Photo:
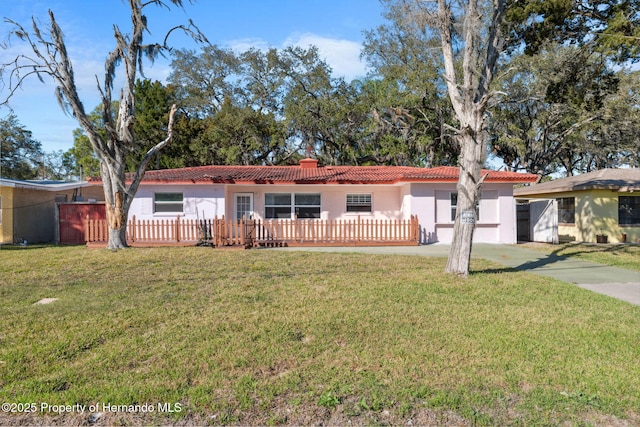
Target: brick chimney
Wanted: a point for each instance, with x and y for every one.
(308, 163)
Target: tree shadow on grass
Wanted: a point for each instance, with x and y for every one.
(493, 271)
(571, 251)
(542, 261)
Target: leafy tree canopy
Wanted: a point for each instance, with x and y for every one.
(611, 26)
(20, 154)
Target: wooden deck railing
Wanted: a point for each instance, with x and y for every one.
(222, 232)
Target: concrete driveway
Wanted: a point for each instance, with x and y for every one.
(612, 281)
(615, 282)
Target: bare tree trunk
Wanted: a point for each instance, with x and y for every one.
(116, 212)
(470, 95)
(118, 196)
(469, 185)
(117, 238)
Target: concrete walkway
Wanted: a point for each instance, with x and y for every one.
(612, 281)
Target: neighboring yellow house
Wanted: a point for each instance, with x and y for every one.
(604, 202)
(28, 208)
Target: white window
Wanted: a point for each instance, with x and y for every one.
(454, 206)
(244, 205)
(277, 205)
(168, 203)
(307, 206)
(359, 203)
(290, 206)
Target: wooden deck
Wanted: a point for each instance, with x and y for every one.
(222, 233)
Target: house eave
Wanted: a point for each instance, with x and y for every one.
(31, 185)
(541, 191)
(324, 175)
(230, 181)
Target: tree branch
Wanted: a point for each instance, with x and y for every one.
(133, 187)
(444, 24)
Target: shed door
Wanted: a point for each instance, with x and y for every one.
(72, 219)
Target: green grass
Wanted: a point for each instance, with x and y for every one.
(267, 337)
(617, 255)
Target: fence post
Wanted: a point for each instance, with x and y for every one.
(220, 229)
(223, 232)
(413, 229)
(216, 231)
(132, 229)
(177, 228)
(242, 231)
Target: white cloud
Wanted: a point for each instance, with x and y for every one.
(342, 55)
(243, 45)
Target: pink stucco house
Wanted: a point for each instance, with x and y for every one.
(311, 192)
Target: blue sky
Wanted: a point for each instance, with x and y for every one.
(335, 26)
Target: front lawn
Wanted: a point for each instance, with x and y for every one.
(263, 337)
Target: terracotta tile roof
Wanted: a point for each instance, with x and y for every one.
(623, 180)
(319, 175)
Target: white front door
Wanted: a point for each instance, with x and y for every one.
(244, 205)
